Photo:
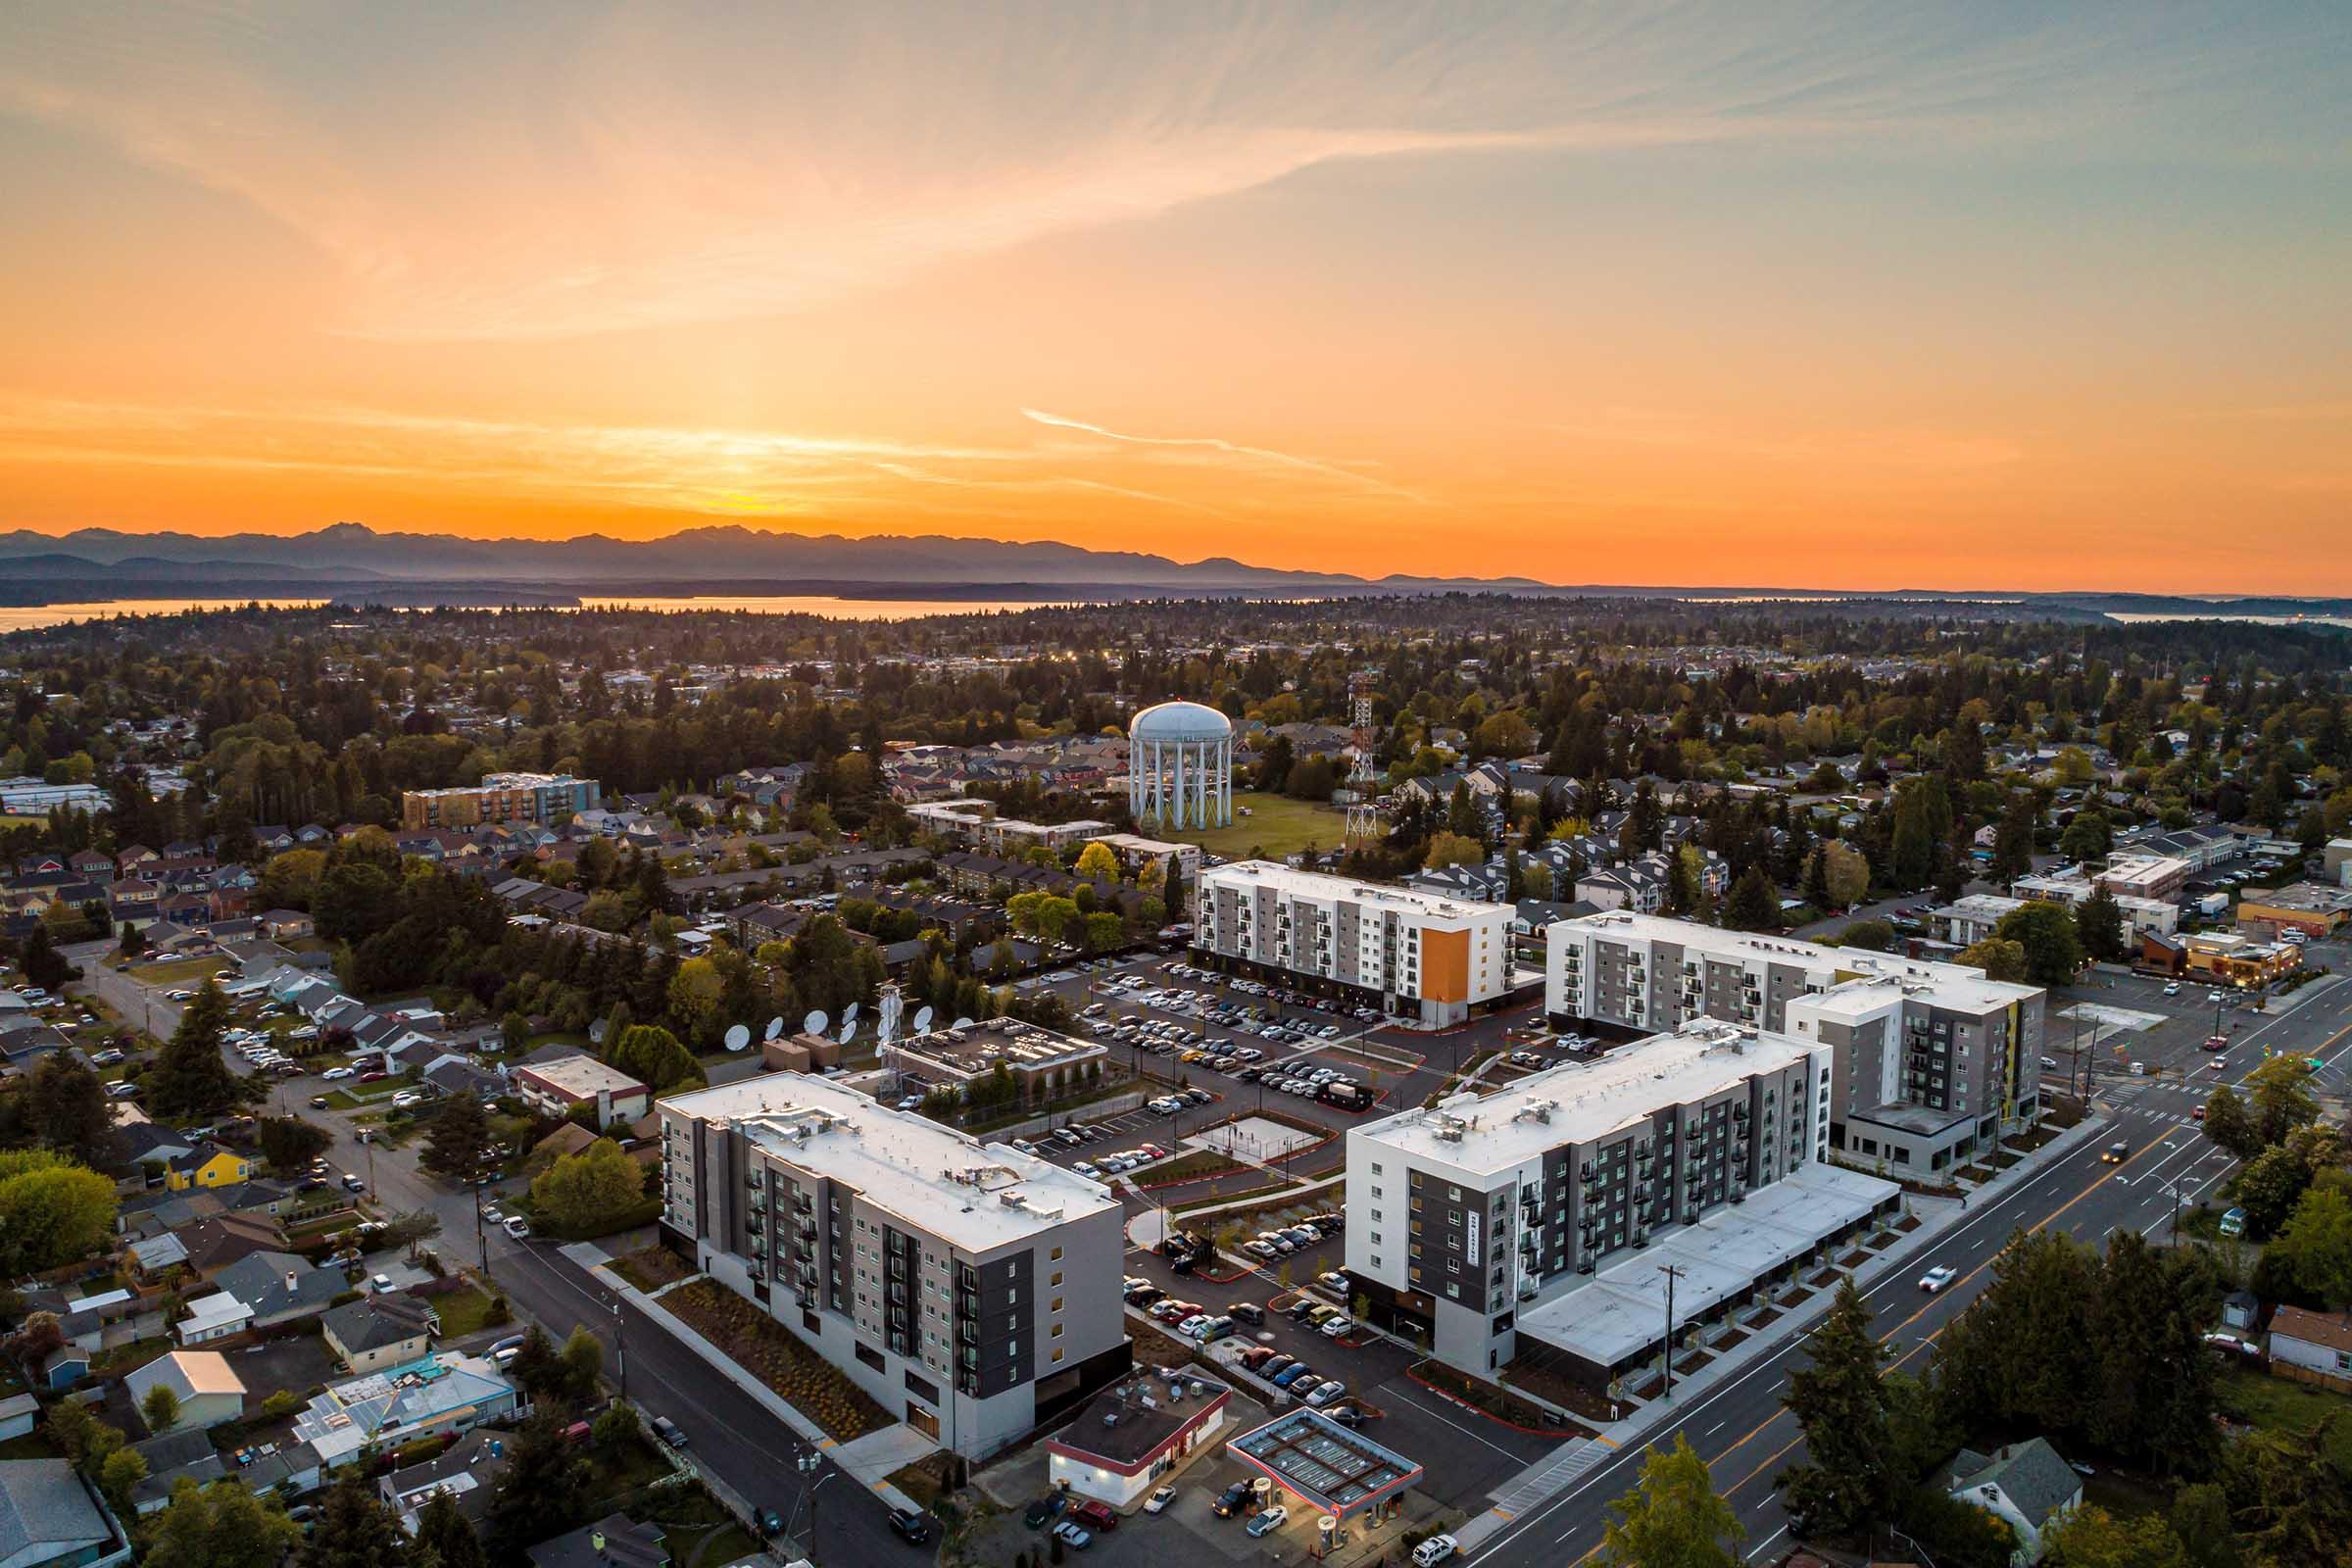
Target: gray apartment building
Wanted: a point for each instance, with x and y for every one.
(972, 1290)
(1466, 1216)
(1933, 1063)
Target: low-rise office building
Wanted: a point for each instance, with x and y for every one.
(2238, 958)
(2312, 908)
(1933, 1061)
(972, 1290)
(559, 1086)
(1465, 1217)
(1042, 1063)
(1417, 953)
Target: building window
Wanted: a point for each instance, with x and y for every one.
(1057, 1334)
(1055, 1256)
(1056, 1306)
(1056, 1279)
(1057, 1356)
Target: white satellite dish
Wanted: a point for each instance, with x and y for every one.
(849, 1027)
(850, 1017)
(738, 1036)
(815, 1023)
(961, 1024)
(922, 1021)
(775, 1027)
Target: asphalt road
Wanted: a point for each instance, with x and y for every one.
(1738, 1426)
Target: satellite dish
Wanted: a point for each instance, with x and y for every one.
(738, 1036)
(849, 1019)
(815, 1023)
(961, 1024)
(595, 1033)
(922, 1021)
(775, 1027)
(849, 1027)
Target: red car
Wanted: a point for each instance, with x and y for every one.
(1094, 1513)
(371, 1078)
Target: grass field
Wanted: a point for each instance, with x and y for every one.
(177, 972)
(2280, 1404)
(1276, 826)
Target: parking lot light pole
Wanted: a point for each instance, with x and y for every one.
(1673, 1272)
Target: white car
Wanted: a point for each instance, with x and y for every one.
(2172, 988)
(1159, 1500)
(1087, 1169)
(407, 1098)
(1937, 1278)
(1273, 1519)
(494, 1214)
(1334, 1328)
(518, 1227)
(1434, 1550)
(334, 1075)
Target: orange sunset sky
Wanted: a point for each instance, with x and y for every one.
(1807, 294)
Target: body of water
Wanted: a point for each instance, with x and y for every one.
(2135, 616)
(825, 605)
(32, 618)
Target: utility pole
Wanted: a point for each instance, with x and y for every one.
(1673, 1272)
(620, 1348)
(481, 1242)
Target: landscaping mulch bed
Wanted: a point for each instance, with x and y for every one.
(2002, 1161)
(1693, 1361)
(927, 1480)
(1736, 1337)
(1494, 1400)
(1825, 1279)
(648, 1268)
(1908, 1223)
(1771, 1314)
(1650, 1390)
(1855, 1258)
(777, 1358)
(1561, 1391)
(1791, 1298)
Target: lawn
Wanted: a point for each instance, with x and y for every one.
(775, 1354)
(1276, 826)
(2284, 1405)
(651, 1267)
(178, 971)
(463, 1313)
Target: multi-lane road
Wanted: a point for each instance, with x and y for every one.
(1738, 1426)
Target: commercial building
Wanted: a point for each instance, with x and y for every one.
(1042, 1063)
(2150, 878)
(2336, 858)
(2070, 887)
(1933, 1061)
(1135, 851)
(31, 796)
(976, 822)
(974, 1291)
(446, 1393)
(499, 798)
(2311, 907)
(1134, 1433)
(556, 1087)
(1467, 1217)
(2237, 958)
(1413, 952)
(1968, 920)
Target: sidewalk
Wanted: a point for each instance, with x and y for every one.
(869, 1460)
(1547, 1477)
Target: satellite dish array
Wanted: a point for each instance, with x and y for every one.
(738, 1036)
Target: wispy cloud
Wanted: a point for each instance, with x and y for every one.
(1256, 457)
(512, 172)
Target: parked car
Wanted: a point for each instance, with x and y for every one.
(670, 1432)
(1043, 1509)
(910, 1527)
(1434, 1550)
(1076, 1539)
(1232, 1500)
(1266, 1523)
(518, 1227)
(1159, 1502)
(1095, 1514)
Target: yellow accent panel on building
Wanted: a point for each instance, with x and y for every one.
(1445, 965)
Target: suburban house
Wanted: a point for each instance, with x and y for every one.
(376, 1332)
(449, 1391)
(2313, 1348)
(218, 1316)
(279, 1287)
(209, 1391)
(2028, 1483)
(50, 1517)
(614, 1541)
(469, 1472)
(206, 1165)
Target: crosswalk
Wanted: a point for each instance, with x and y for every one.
(1548, 1476)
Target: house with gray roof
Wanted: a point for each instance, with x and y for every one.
(52, 1518)
(2029, 1484)
(280, 1287)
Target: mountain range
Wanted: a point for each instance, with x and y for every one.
(110, 564)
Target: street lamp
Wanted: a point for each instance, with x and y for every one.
(809, 1463)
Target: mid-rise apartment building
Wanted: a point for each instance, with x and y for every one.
(2135, 880)
(499, 798)
(1933, 1060)
(1465, 1215)
(973, 1290)
(1413, 952)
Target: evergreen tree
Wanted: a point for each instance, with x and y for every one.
(2012, 842)
(355, 1530)
(2099, 925)
(2230, 1124)
(540, 1493)
(457, 1144)
(1848, 1478)
(43, 965)
(2046, 931)
(220, 1526)
(1754, 904)
(190, 1078)
(445, 1537)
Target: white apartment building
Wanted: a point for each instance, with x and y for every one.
(973, 1290)
(1935, 1061)
(1414, 953)
(1469, 1219)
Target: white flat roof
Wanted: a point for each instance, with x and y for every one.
(1621, 1311)
(1957, 985)
(938, 1180)
(1577, 1102)
(1355, 890)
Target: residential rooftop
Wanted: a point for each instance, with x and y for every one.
(940, 1181)
(1319, 885)
(1578, 1102)
(1953, 985)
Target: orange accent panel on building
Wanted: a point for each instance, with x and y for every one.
(1445, 965)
